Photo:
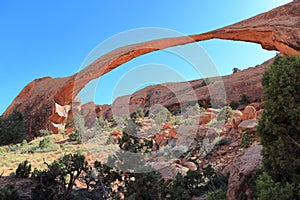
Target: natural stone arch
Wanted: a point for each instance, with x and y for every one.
(46, 102)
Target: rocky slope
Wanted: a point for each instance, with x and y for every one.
(47, 102)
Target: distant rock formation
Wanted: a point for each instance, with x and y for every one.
(46, 102)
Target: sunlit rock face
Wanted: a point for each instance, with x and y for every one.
(47, 102)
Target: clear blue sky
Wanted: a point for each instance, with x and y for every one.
(52, 38)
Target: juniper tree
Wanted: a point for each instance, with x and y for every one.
(279, 128)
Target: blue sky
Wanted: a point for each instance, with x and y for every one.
(53, 38)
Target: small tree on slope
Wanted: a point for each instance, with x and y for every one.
(279, 128)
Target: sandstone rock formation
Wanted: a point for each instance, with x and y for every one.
(46, 102)
(243, 165)
(248, 125)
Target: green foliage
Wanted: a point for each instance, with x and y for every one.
(12, 129)
(99, 180)
(9, 193)
(279, 128)
(45, 132)
(140, 113)
(146, 186)
(45, 143)
(75, 136)
(24, 143)
(219, 194)
(153, 129)
(234, 105)
(221, 140)
(268, 189)
(187, 121)
(207, 81)
(129, 141)
(246, 140)
(78, 123)
(58, 180)
(235, 70)
(161, 115)
(121, 120)
(244, 99)
(196, 183)
(23, 170)
(103, 123)
(192, 110)
(226, 114)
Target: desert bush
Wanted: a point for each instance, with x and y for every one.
(221, 140)
(57, 181)
(75, 136)
(244, 99)
(23, 170)
(121, 120)
(225, 114)
(235, 70)
(192, 110)
(219, 194)
(140, 113)
(197, 183)
(103, 123)
(234, 105)
(246, 140)
(161, 115)
(268, 189)
(187, 121)
(9, 192)
(153, 129)
(44, 132)
(12, 129)
(279, 127)
(46, 145)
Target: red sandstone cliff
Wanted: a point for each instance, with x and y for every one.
(46, 102)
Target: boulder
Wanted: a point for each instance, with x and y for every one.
(237, 119)
(259, 114)
(205, 117)
(248, 125)
(244, 164)
(249, 113)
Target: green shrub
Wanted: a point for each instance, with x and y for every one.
(161, 115)
(140, 113)
(57, 181)
(192, 110)
(75, 136)
(225, 114)
(121, 120)
(244, 99)
(246, 140)
(9, 193)
(234, 105)
(103, 123)
(12, 129)
(47, 145)
(24, 143)
(279, 127)
(45, 132)
(23, 170)
(187, 121)
(268, 189)
(153, 129)
(78, 123)
(221, 140)
(219, 194)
